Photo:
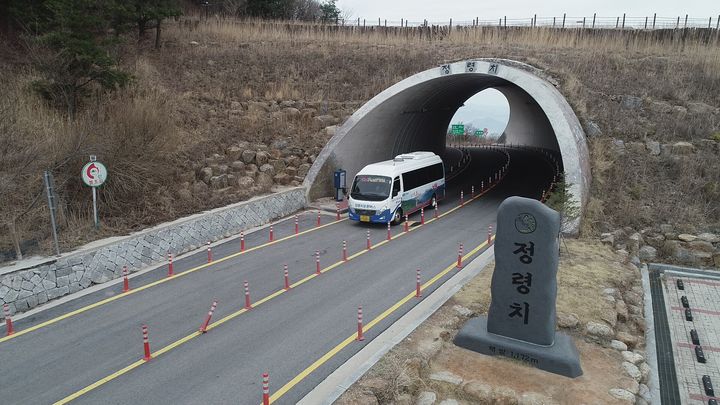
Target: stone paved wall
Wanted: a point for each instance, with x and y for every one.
(26, 288)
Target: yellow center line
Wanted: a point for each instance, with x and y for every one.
(233, 315)
(335, 350)
(158, 282)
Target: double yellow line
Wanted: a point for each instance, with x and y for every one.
(227, 318)
(158, 282)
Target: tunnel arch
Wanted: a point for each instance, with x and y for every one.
(414, 113)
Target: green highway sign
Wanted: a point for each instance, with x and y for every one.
(458, 129)
(479, 132)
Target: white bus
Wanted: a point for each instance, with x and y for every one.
(386, 191)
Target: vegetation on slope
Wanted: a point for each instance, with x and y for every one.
(220, 82)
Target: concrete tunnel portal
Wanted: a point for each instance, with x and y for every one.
(414, 114)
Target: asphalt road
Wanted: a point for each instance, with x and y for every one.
(282, 336)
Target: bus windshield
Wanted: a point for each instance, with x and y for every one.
(371, 188)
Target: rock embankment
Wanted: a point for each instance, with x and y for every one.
(665, 243)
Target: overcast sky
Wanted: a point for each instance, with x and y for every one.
(465, 10)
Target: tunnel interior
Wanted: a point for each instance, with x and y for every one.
(414, 114)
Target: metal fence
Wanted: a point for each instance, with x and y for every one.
(564, 21)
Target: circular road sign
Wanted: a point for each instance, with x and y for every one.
(94, 174)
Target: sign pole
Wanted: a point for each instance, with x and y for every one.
(95, 212)
(94, 175)
(51, 205)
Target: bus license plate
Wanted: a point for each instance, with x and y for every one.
(365, 218)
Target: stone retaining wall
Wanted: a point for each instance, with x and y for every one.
(23, 289)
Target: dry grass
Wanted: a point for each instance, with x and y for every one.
(129, 130)
(183, 109)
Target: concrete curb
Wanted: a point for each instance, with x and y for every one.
(347, 374)
(650, 348)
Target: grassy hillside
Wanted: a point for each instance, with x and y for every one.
(174, 140)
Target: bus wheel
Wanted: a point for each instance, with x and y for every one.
(397, 218)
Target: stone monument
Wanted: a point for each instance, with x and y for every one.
(521, 319)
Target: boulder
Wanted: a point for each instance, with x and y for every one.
(599, 330)
(632, 357)
(245, 182)
(634, 242)
(262, 158)
(478, 391)
(248, 156)
(647, 253)
(633, 298)
(322, 121)
(251, 170)
(291, 112)
(630, 102)
(700, 108)
(282, 178)
(447, 377)
(567, 321)
(631, 386)
(632, 370)
(607, 239)
(618, 345)
(218, 182)
(701, 246)
(426, 398)
(462, 311)
(644, 372)
(330, 131)
(683, 148)
(622, 395)
(655, 241)
(267, 168)
(279, 165)
(653, 147)
(709, 237)
(234, 152)
(264, 181)
(619, 146)
(687, 237)
(667, 228)
(592, 129)
(279, 144)
(205, 174)
(303, 170)
(237, 166)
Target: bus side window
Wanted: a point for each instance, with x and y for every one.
(396, 187)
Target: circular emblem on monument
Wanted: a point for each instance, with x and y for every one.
(525, 223)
